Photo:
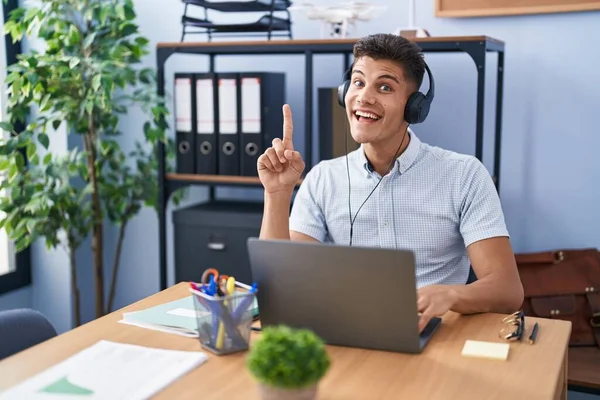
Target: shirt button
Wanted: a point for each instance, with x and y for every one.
(385, 224)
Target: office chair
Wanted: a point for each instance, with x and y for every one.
(21, 329)
(472, 277)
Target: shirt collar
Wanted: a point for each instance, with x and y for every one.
(403, 162)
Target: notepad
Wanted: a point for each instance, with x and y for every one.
(489, 350)
(179, 317)
(109, 370)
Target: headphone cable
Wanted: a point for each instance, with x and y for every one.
(372, 191)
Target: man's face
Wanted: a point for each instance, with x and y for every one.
(375, 100)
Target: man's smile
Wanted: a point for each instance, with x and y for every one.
(366, 116)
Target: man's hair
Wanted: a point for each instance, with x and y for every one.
(387, 46)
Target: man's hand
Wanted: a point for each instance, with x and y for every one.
(434, 301)
(280, 166)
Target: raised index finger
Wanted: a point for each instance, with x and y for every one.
(288, 127)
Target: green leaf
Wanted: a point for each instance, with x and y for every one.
(16, 86)
(128, 28)
(31, 225)
(44, 102)
(74, 36)
(120, 9)
(44, 140)
(7, 126)
(47, 158)
(74, 62)
(56, 123)
(104, 14)
(96, 82)
(9, 147)
(142, 41)
(89, 40)
(35, 159)
(19, 160)
(31, 150)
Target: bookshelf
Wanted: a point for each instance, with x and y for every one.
(477, 47)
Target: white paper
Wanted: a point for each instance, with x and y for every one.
(183, 104)
(167, 329)
(251, 105)
(109, 370)
(227, 106)
(186, 312)
(205, 108)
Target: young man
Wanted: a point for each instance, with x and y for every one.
(396, 191)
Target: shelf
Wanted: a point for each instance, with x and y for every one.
(300, 46)
(264, 24)
(268, 24)
(241, 6)
(217, 179)
(476, 47)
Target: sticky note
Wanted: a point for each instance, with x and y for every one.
(489, 350)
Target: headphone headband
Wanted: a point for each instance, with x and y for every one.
(431, 91)
(417, 105)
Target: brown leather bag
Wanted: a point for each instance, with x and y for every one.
(564, 284)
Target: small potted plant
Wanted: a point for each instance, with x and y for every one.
(288, 363)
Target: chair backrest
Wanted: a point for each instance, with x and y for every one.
(22, 328)
(472, 277)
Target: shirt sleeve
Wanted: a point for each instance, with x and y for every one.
(307, 212)
(481, 215)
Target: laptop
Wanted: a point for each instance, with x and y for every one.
(349, 296)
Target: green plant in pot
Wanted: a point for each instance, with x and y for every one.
(288, 363)
(88, 75)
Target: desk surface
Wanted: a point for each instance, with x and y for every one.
(531, 371)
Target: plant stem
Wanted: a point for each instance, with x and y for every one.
(116, 261)
(74, 289)
(97, 242)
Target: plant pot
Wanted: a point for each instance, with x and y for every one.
(274, 393)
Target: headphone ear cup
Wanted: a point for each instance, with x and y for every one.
(416, 108)
(342, 90)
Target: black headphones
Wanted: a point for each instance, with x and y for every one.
(417, 106)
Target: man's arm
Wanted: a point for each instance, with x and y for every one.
(276, 216)
(498, 287)
(276, 219)
(306, 221)
(279, 169)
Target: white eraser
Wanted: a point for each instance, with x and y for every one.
(490, 350)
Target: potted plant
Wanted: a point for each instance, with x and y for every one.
(89, 74)
(288, 363)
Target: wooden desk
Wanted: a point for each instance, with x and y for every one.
(532, 371)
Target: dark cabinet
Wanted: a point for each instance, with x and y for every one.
(214, 235)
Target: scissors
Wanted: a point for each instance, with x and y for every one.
(221, 281)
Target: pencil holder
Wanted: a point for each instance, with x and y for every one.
(224, 322)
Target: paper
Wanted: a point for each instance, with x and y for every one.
(186, 312)
(178, 317)
(160, 328)
(109, 370)
(489, 350)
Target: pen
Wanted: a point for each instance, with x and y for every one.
(533, 333)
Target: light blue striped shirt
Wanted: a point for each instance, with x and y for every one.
(434, 202)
